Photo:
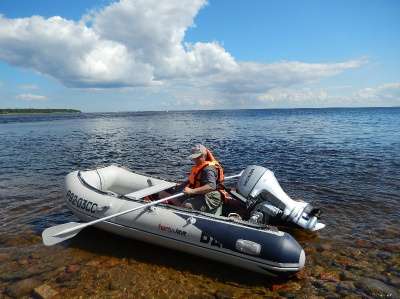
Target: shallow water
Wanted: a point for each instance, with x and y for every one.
(345, 161)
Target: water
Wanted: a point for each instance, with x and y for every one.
(345, 161)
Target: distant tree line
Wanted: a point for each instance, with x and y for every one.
(31, 110)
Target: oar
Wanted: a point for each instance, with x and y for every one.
(62, 232)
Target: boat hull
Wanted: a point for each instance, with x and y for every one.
(266, 251)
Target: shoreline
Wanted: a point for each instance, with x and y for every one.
(244, 109)
(29, 111)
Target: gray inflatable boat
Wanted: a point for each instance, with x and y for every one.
(253, 245)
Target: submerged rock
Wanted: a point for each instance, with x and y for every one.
(346, 288)
(72, 268)
(115, 285)
(329, 287)
(318, 270)
(363, 244)
(395, 281)
(392, 248)
(301, 275)
(384, 255)
(93, 263)
(329, 276)
(352, 296)
(15, 275)
(4, 257)
(343, 261)
(201, 296)
(291, 286)
(112, 261)
(377, 288)
(347, 275)
(223, 294)
(22, 287)
(324, 247)
(44, 292)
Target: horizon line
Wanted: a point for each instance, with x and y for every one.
(217, 109)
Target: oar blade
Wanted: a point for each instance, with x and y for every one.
(52, 236)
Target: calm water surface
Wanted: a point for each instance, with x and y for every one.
(346, 161)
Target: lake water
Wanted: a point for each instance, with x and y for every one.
(345, 161)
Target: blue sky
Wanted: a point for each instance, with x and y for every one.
(143, 55)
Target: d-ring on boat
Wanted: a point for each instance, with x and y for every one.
(94, 194)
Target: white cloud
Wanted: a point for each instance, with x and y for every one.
(130, 43)
(139, 43)
(294, 95)
(383, 95)
(31, 97)
(154, 31)
(254, 84)
(384, 92)
(28, 86)
(70, 52)
(259, 78)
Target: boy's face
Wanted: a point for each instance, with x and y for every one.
(200, 160)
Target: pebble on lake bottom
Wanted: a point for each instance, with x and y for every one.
(44, 292)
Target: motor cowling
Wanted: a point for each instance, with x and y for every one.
(266, 198)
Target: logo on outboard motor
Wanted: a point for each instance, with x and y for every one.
(248, 176)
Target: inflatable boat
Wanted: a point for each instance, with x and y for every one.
(253, 245)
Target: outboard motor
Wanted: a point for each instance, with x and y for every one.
(265, 198)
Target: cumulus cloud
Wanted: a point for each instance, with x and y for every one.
(68, 51)
(139, 43)
(154, 31)
(31, 97)
(129, 43)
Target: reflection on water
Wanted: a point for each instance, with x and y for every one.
(345, 161)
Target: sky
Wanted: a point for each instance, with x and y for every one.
(135, 55)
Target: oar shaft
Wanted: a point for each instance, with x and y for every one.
(233, 176)
(83, 225)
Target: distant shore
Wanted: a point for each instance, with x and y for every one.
(33, 111)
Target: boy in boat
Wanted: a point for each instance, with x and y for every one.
(204, 189)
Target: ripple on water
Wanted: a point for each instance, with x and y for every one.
(344, 161)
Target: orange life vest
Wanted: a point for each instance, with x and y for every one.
(194, 177)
